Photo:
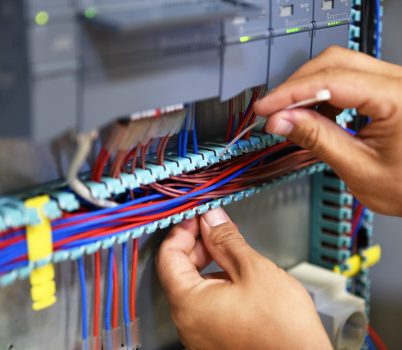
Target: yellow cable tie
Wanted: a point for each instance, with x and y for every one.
(40, 246)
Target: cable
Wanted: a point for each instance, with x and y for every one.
(97, 260)
(133, 281)
(115, 323)
(380, 345)
(377, 29)
(84, 321)
(126, 307)
(109, 291)
(84, 147)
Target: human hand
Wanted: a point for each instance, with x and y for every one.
(253, 304)
(371, 163)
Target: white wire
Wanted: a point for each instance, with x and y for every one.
(320, 96)
(84, 147)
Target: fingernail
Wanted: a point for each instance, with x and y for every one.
(216, 217)
(282, 126)
(186, 224)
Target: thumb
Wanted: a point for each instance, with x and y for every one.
(226, 245)
(324, 138)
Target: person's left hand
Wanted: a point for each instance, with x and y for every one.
(253, 304)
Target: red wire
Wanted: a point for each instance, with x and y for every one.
(97, 293)
(133, 284)
(248, 116)
(380, 345)
(115, 321)
(359, 212)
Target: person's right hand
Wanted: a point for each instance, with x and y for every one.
(371, 163)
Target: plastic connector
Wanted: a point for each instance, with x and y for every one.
(111, 340)
(132, 335)
(342, 314)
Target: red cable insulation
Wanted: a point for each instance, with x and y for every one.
(133, 284)
(115, 320)
(97, 259)
(380, 345)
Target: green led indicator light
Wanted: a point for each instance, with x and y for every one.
(42, 18)
(293, 30)
(244, 39)
(336, 23)
(90, 12)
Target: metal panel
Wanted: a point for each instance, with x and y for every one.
(326, 11)
(326, 37)
(159, 82)
(287, 54)
(287, 14)
(244, 66)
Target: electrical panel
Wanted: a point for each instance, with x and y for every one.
(160, 95)
(101, 59)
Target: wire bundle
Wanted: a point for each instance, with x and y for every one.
(155, 202)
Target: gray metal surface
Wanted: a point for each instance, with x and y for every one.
(287, 54)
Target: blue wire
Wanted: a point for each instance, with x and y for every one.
(370, 343)
(108, 210)
(84, 324)
(378, 29)
(180, 143)
(126, 310)
(66, 232)
(157, 206)
(185, 136)
(195, 141)
(109, 291)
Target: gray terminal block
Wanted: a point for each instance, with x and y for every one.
(125, 73)
(331, 24)
(245, 51)
(326, 37)
(245, 65)
(291, 35)
(329, 13)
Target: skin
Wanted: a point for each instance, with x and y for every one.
(254, 304)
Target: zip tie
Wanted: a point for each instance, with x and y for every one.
(40, 247)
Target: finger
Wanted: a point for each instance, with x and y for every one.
(349, 89)
(325, 139)
(226, 245)
(338, 57)
(200, 256)
(221, 275)
(176, 271)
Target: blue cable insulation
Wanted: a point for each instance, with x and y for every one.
(126, 307)
(180, 143)
(370, 343)
(84, 320)
(185, 136)
(195, 141)
(378, 29)
(157, 206)
(109, 292)
(71, 231)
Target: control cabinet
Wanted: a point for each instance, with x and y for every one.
(78, 65)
